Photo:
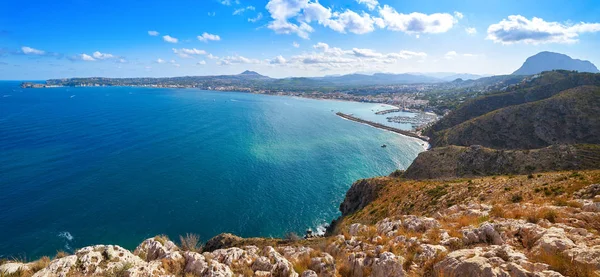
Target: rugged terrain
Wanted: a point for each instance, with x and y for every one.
(529, 225)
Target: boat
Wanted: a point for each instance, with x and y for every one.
(383, 146)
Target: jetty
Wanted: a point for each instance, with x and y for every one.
(384, 127)
(388, 111)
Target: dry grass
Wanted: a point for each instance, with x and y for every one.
(162, 239)
(566, 265)
(175, 267)
(400, 196)
(191, 242)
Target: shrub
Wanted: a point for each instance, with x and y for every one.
(291, 236)
(191, 242)
(60, 254)
(516, 198)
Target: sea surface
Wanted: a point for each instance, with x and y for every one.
(116, 165)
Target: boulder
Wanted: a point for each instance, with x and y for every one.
(387, 265)
(153, 249)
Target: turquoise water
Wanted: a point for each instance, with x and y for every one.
(83, 166)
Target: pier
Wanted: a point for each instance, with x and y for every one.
(384, 127)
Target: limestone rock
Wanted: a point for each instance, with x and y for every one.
(152, 249)
(224, 240)
(60, 267)
(387, 265)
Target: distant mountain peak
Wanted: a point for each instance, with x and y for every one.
(249, 72)
(546, 61)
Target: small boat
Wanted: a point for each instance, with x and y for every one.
(384, 146)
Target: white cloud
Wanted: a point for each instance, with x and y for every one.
(333, 51)
(159, 60)
(407, 55)
(86, 57)
(212, 57)
(206, 37)
(122, 61)
(471, 30)
(32, 51)
(201, 62)
(416, 23)
(285, 27)
(519, 29)
(258, 17)
(294, 17)
(212, 14)
(242, 10)
(295, 44)
(185, 52)
(170, 39)
(278, 60)
(366, 53)
(281, 11)
(153, 33)
(351, 21)
(228, 2)
(371, 4)
(451, 55)
(102, 56)
(238, 60)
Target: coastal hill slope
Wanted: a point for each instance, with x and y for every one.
(546, 61)
(572, 116)
(460, 161)
(529, 90)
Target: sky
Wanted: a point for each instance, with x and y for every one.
(282, 38)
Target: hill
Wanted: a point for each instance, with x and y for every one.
(528, 90)
(460, 161)
(546, 61)
(572, 116)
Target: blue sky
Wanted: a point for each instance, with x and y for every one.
(279, 38)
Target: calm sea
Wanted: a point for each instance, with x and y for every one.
(84, 166)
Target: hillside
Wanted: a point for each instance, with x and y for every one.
(572, 116)
(546, 61)
(459, 161)
(529, 90)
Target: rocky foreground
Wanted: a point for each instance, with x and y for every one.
(542, 225)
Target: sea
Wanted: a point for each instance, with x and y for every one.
(115, 165)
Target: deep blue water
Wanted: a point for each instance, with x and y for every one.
(83, 166)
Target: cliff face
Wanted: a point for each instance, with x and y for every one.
(459, 161)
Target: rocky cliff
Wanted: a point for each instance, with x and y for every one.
(542, 225)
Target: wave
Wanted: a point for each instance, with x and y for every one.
(68, 238)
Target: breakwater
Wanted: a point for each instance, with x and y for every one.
(384, 127)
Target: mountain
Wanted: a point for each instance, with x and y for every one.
(451, 76)
(546, 61)
(377, 79)
(569, 117)
(524, 91)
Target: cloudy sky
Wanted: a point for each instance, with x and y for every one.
(280, 38)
